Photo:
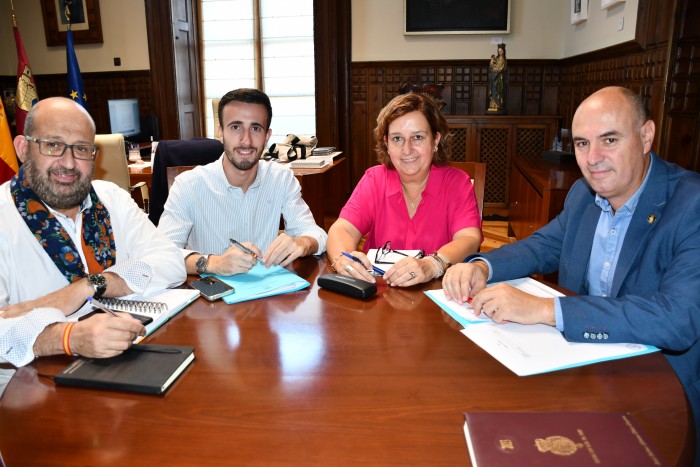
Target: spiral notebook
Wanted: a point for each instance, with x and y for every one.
(160, 306)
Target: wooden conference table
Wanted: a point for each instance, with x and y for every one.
(316, 378)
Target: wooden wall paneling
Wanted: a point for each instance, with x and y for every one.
(460, 91)
(465, 92)
(360, 144)
(681, 145)
(680, 140)
(494, 141)
(459, 143)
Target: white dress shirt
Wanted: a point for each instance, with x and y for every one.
(146, 260)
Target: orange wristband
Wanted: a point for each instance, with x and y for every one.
(66, 339)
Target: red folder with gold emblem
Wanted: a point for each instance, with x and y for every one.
(557, 438)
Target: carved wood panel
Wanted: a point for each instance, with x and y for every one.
(533, 90)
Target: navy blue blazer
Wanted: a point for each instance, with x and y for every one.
(655, 297)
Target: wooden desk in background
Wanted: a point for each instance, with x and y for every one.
(315, 188)
(538, 188)
(314, 185)
(141, 174)
(317, 378)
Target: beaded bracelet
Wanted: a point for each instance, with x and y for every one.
(440, 267)
(334, 261)
(66, 339)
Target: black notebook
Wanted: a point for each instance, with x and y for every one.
(147, 368)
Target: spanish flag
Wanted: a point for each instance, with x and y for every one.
(8, 159)
(26, 95)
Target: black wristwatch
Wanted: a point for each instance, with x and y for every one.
(99, 283)
(201, 264)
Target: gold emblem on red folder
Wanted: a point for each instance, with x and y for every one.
(559, 445)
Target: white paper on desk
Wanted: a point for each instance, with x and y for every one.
(528, 349)
(464, 314)
(390, 258)
(531, 349)
(538, 348)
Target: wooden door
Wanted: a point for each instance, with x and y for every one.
(173, 46)
(186, 57)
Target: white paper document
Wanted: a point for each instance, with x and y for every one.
(532, 349)
(389, 258)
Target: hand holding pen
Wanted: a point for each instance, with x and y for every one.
(106, 309)
(358, 269)
(245, 249)
(102, 307)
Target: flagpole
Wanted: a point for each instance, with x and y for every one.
(66, 11)
(14, 18)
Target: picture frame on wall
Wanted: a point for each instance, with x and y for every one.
(605, 4)
(579, 11)
(86, 23)
(462, 17)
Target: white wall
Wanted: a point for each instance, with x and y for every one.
(600, 30)
(123, 32)
(540, 29)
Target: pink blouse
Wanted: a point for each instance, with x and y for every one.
(377, 209)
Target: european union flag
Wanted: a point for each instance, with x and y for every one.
(76, 91)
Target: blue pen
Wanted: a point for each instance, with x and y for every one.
(357, 260)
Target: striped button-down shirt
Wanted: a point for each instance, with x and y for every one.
(204, 211)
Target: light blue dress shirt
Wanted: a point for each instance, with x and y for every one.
(607, 243)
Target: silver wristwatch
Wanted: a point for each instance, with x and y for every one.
(201, 264)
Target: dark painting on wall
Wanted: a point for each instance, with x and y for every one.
(456, 17)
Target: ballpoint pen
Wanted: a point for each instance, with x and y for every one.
(102, 307)
(247, 250)
(357, 260)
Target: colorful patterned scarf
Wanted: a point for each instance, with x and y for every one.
(98, 237)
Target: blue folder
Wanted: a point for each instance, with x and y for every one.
(262, 282)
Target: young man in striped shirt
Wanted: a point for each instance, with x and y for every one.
(240, 199)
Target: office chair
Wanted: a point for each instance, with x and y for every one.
(172, 153)
(111, 165)
(477, 172)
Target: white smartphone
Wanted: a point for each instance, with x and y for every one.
(212, 288)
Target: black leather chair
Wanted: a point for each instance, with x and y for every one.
(174, 152)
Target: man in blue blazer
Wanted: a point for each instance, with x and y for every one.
(627, 241)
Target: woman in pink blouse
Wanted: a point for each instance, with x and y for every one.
(412, 199)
